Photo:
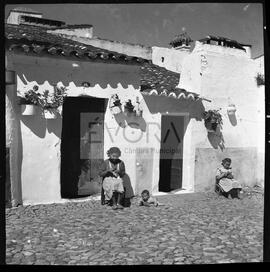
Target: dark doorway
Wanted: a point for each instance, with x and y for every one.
(82, 143)
(171, 153)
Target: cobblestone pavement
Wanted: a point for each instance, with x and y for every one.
(189, 229)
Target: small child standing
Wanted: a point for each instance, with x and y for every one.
(147, 200)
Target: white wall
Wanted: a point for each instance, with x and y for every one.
(227, 76)
(41, 160)
(41, 143)
(34, 140)
(14, 143)
(260, 64)
(173, 58)
(86, 32)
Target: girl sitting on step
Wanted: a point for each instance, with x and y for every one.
(226, 181)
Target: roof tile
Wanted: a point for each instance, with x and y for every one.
(29, 37)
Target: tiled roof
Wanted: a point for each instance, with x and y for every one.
(175, 93)
(156, 80)
(75, 26)
(35, 40)
(223, 39)
(36, 20)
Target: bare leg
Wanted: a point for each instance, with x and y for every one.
(238, 193)
(119, 201)
(114, 200)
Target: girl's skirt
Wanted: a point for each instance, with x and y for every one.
(229, 184)
(111, 185)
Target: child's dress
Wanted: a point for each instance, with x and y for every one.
(151, 200)
(227, 184)
(110, 183)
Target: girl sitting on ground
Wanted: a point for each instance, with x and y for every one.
(226, 181)
(112, 171)
(147, 200)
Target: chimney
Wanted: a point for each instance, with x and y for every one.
(15, 15)
(181, 42)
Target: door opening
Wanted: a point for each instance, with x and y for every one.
(171, 153)
(82, 145)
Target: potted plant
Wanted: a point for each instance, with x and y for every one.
(51, 102)
(212, 118)
(60, 92)
(30, 101)
(115, 104)
(260, 79)
(129, 108)
(231, 109)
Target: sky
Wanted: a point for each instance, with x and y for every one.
(157, 24)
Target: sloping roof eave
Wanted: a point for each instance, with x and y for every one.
(33, 39)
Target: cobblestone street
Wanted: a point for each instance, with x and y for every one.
(194, 228)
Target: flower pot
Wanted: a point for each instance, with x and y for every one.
(50, 114)
(129, 113)
(116, 110)
(129, 109)
(139, 113)
(28, 109)
(211, 127)
(231, 109)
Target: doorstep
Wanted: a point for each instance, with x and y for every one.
(175, 192)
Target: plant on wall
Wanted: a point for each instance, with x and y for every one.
(212, 118)
(53, 100)
(260, 79)
(129, 108)
(116, 101)
(115, 104)
(31, 97)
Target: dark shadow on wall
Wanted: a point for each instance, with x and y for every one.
(55, 125)
(36, 123)
(216, 139)
(120, 118)
(233, 120)
(19, 162)
(133, 121)
(163, 104)
(136, 122)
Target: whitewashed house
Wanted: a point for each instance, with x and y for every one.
(164, 142)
